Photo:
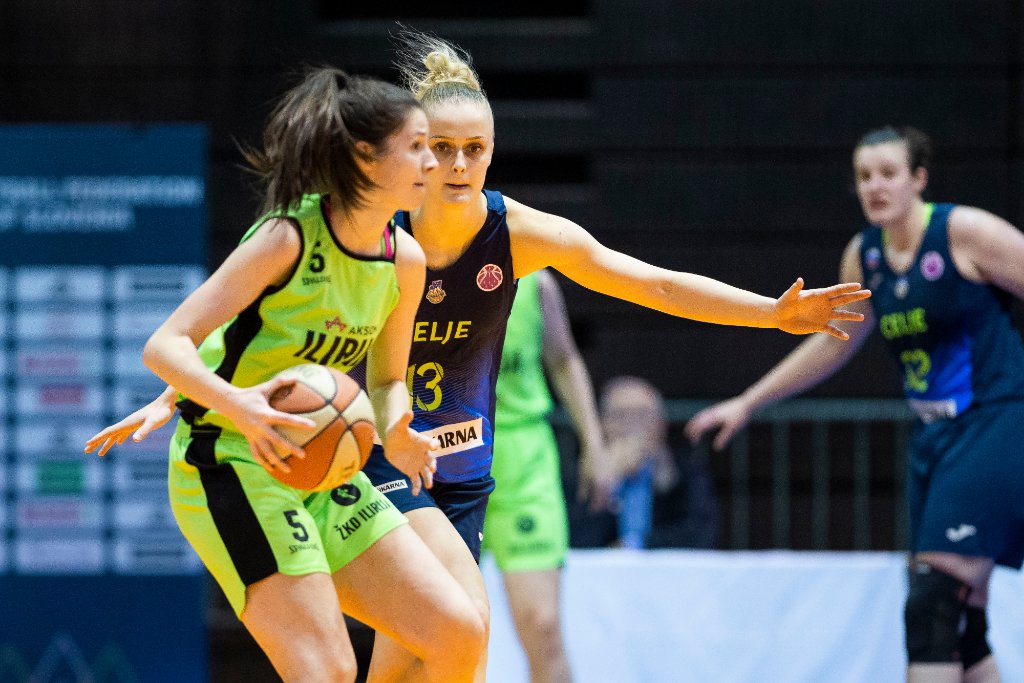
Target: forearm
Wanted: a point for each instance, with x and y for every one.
(685, 295)
(572, 385)
(169, 396)
(390, 401)
(812, 362)
(707, 300)
(174, 359)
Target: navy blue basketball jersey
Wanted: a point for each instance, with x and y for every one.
(954, 339)
(456, 347)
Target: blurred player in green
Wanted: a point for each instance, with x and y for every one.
(526, 526)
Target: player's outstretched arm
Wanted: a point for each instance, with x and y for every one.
(540, 239)
(816, 359)
(138, 425)
(410, 452)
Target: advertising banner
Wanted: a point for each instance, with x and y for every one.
(104, 233)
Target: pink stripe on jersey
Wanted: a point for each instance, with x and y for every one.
(388, 247)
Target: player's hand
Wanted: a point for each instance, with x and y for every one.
(249, 410)
(412, 453)
(138, 425)
(597, 480)
(728, 417)
(800, 311)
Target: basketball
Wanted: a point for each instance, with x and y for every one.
(339, 446)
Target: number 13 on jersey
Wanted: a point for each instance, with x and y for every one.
(434, 373)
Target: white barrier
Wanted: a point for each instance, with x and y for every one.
(739, 617)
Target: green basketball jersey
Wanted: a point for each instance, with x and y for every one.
(522, 392)
(329, 311)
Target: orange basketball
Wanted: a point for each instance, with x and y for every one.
(339, 446)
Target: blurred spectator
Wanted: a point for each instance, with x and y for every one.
(664, 497)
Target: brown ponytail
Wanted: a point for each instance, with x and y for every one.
(309, 142)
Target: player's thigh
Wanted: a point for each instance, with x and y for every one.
(295, 618)
(449, 547)
(529, 532)
(534, 596)
(243, 523)
(400, 589)
(351, 519)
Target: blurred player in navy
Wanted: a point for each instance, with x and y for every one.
(942, 278)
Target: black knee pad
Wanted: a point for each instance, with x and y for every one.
(974, 643)
(933, 615)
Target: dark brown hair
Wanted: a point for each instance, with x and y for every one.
(919, 145)
(309, 141)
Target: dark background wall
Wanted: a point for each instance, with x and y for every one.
(704, 135)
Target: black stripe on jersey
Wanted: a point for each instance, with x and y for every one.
(232, 514)
(237, 337)
(242, 331)
(359, 257)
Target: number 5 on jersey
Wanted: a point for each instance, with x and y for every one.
(434, 374)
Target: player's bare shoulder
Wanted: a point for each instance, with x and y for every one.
(410, 263)
(984, 246)
(522, 218)
(408, 252)
(969, 224)
(849, 265)
(278, 232)
(542, 239)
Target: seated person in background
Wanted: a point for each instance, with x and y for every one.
(663, 498)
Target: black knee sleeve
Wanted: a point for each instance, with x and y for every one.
(974, 643)
(933, 614)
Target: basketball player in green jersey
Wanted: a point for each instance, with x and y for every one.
(526, 527)
(322, 277)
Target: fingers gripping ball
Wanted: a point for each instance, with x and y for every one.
(339, 446)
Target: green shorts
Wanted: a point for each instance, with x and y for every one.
(245, 525)
(526, 526)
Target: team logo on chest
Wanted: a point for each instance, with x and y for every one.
(873, 257)
(932, 266)
(435, 294)
(489, 278)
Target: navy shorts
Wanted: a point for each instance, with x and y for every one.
(965, 484)
(464, 503)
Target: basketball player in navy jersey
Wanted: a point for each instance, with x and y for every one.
(942, 278)
(477, 243)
